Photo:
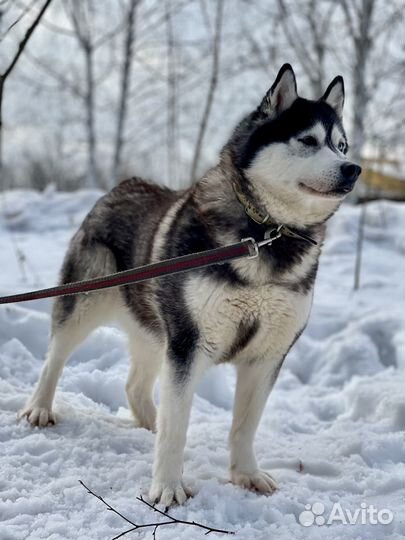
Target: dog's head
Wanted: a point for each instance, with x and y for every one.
(292, 152)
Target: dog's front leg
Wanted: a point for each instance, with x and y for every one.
(254, 383)
(176, 394)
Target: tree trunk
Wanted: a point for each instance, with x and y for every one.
(211, 89)
(92, 176)
(123, 101)
(362, 47)
(171, 101)
(2, 175)
(362, 43)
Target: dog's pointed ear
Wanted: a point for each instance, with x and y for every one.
(335, 95)
(282, 94)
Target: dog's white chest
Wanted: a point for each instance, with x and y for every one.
(221, 311)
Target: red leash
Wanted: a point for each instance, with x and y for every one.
(248, 247)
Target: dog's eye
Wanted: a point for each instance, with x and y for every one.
(309, 141)
(342, 147)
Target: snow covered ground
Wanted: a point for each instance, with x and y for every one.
(332, 431)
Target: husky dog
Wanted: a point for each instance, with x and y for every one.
(285, 164)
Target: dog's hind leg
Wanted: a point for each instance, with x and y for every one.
(73, 319)
(66, 336)
(146, 359)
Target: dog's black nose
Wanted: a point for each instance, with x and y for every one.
(350, 172)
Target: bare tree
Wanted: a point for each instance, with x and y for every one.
(306, 27)
(171, 97)
(377, 71)
(359, 19)
(129, 43)
(5, 75)
(19, 254)
(155, 63)
(216, 48)
(84, 86)
(82, 15)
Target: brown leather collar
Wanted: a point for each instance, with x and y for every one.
(261, 218)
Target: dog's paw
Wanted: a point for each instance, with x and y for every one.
(37, 416)
(259, 481)
(168, 493)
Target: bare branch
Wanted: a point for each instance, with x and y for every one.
(58, 29)
(256, 50)
(25, 10)
(294, 38)
(171, 520)
(349, 19)
(24, 42)
(4, 76)
(184, 522)
(59, 77)
(205, 15)
(112, 33)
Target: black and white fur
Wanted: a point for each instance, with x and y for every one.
(288, 158)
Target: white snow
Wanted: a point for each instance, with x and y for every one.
(332, 430)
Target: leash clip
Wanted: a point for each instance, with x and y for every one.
(269, 237)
